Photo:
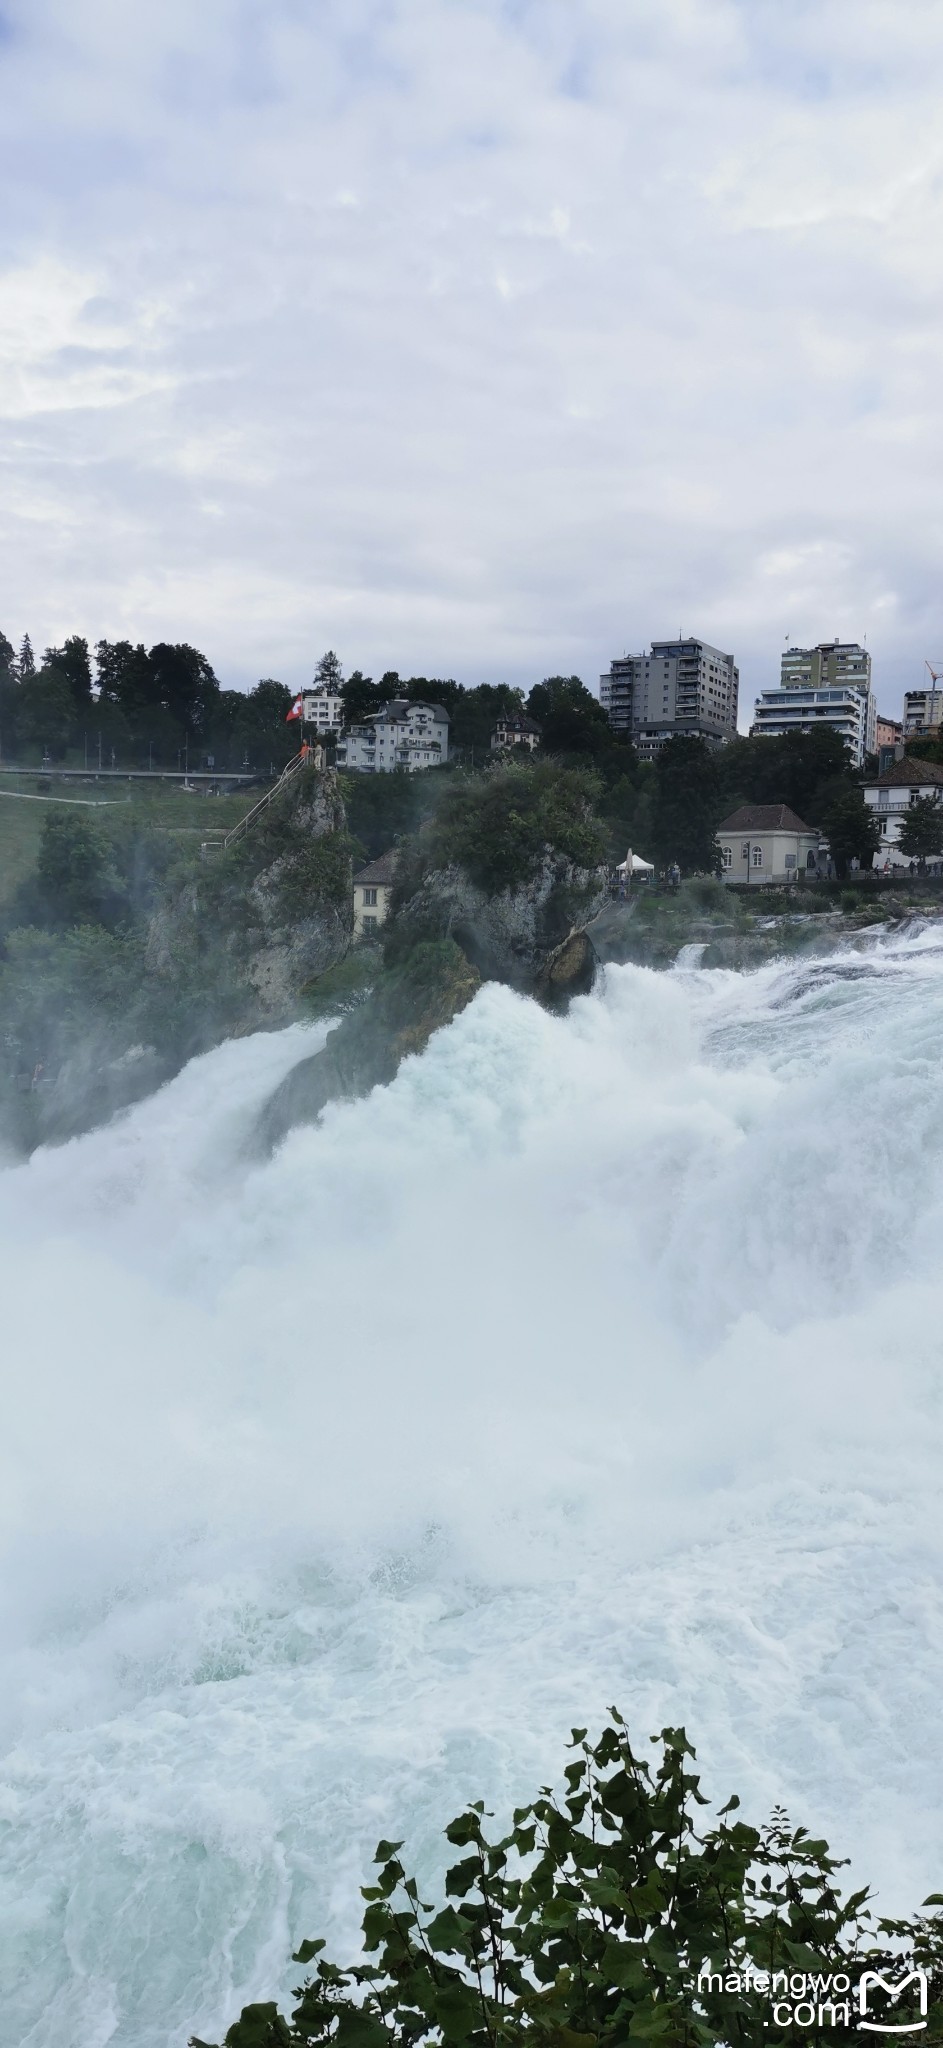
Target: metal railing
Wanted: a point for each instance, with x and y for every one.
(295, 765)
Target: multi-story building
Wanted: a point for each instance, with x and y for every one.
(827, 685)
(923, 712)
(323, 708)
(824, 666)
(515, 729)
(682, 686)
(890, 795)
(887, 732)
(399, 735)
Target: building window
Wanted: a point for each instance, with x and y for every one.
(369, 895)
(790, 860)
(757, 856)
(368, 921)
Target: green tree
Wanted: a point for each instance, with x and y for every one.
(7, 656)
(687, 806)
(571, 719)
(362, 697)
(473, 714)
(124, 677)
(921, 832)
(76, 880)
(499, 826)
(851, 829)
(45, 711)
(806, 770)
(71, 661)
(26, 665)
(328, 674)
(184, 685)
(622, 1912)
(270, 701)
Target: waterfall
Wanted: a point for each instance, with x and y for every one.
(595, 1360)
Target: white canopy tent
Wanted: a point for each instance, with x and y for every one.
(639, 866)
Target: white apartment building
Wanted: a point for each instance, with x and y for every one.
(851, 714)
(399, 735)
(682, 686)
(923, 712)
(890, 796)
(323, 709)
(825, 685)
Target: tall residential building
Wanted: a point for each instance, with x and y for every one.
(823, 667)
(923, 712)
(682, 686)
(825, 685)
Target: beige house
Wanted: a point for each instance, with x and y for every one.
(372, 890)
(767, 843)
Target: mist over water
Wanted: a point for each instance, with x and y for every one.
(596, 1359)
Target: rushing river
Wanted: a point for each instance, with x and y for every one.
(597, 1359)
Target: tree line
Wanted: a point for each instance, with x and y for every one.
(164, 707)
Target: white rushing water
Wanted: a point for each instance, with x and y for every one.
(597, 1359)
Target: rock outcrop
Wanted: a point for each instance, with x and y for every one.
(243, 937)
(410, 1001)
(510, 935)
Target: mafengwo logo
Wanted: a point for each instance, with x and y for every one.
(872, 1983)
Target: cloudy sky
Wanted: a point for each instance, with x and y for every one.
(481, 338)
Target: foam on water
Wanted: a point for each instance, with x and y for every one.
(596, 1359)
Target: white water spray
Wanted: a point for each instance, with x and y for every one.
(595, 1360)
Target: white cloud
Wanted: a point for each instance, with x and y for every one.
(474, 338)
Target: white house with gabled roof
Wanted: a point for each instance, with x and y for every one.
(399, 735)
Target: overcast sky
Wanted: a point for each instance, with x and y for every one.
(484, 338)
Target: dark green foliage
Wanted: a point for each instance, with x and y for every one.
(43, 712)
(687, 809)
(805, 770)
(329, 674)
(61, 992)
(851, 829)
(498, 826)
(384, 808)
(76, 878)
(473, 715)
(626, 808)
(571, 719)
(623, 1912)
(362, 696)
(71, 660)
(921, 832)
(26, 664)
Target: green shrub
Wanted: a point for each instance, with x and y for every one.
(590, 1924)
(499, 825)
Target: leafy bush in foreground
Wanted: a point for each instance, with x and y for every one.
(591, 1923)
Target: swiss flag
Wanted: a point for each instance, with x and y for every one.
(297, 710)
